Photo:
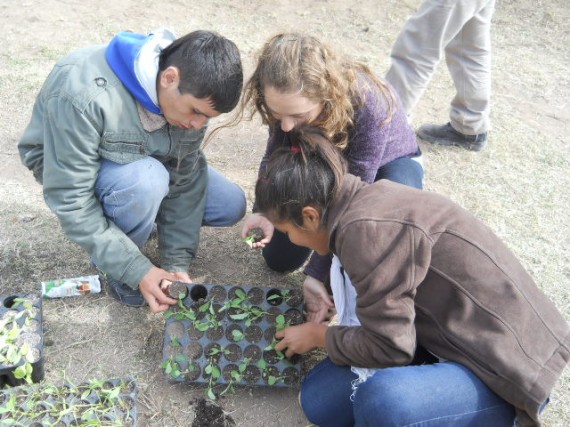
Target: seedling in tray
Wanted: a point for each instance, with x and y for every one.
(224, 336)
(21, 340)
(95, 403)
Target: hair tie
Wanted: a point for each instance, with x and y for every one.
(295, 149)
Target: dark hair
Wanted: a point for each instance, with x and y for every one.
(209, 65)
(308, 173)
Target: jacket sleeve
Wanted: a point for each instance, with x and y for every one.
(182, 211)
(385, 262)
(71, 164)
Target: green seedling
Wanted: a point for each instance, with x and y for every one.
(172, 366)
(237, 335)
(89, 404)
(12, 354)
(254, 236)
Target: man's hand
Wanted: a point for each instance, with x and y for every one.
(183, 279)
(317, 301)
(258, 221)
(301, 338)
(150, 287)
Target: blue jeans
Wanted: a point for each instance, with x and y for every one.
(404, 170)
(436, 395)
(131, 195)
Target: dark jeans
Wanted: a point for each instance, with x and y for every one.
(282, 255)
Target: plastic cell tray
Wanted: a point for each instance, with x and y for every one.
(69, 405)
(29, 322)
(195, 351)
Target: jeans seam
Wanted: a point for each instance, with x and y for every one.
(454, 415)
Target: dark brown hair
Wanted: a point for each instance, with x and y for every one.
(307, 174)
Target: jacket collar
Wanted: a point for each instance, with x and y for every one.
(349, 187)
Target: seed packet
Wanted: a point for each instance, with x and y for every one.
(71, 287)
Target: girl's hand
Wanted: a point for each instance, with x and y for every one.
(258, 221)
(317, 301)
(301, 338)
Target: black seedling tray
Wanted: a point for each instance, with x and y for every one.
(90, 403)
(24, 318)
(199, 340)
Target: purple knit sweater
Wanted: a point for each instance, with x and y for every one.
(370, 146)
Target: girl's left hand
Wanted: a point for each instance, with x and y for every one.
(301, 338)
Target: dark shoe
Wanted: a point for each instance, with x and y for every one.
(446, 135)
(124, 293)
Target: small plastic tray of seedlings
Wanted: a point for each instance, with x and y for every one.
(97, 402)
(21, 339)
(225, 335)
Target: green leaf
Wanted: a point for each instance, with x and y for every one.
(237, 335)
(239, 316)
(210, 394)
(20, 372)
(216, 373)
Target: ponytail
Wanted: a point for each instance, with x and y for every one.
(309, 173)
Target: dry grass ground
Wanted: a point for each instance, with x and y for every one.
(519, 185)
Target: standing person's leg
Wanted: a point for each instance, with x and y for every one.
(419, 47)
(438, 395)
(225, 201)
(468, 58)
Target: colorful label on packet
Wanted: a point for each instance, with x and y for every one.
(71, 287)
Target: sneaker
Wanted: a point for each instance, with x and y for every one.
(124, 293)
(446, 135)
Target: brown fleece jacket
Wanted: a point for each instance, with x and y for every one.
(428, 272)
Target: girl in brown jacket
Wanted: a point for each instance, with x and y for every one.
(411, 268)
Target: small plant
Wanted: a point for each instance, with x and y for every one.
(97, 402)
(254, 236)
(14, 352)
(268, 374)
(237, 335)
(214, 372)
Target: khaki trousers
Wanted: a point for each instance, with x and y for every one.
(462, 30)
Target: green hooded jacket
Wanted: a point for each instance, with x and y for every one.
(84, 114)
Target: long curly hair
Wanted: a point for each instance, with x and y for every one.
(294, 62)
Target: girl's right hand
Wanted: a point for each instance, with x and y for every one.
(258, 221)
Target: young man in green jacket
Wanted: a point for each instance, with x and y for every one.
(115, 140)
